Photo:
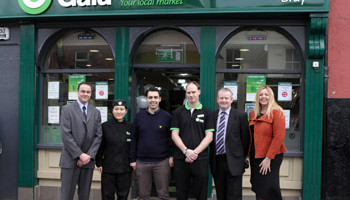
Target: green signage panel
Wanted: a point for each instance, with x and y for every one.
(58, 8)
(74, 81)
(170, 55)
(253, 84)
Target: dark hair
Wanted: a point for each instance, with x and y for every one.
(152, 89)
(194, 83)
(119, 102)
(84, 83)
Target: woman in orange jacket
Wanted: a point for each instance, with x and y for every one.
(267, 130)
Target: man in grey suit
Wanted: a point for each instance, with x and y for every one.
(229, 148)
(81, 134)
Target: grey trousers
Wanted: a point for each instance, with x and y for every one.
(160, 171)
(70, 177)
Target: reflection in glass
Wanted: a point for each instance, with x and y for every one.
(80, 50)
(258, 49)
(167, 46)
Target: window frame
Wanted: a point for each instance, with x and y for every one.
(300, 72)
(42, 72)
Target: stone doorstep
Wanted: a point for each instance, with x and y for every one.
(53, 193)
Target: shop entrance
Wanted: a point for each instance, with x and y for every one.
(171, 83)
(167, 59)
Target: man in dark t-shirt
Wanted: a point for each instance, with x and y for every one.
(192, 131)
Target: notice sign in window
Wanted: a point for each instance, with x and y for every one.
(104, 113)
(53, 90)
(101, 90)
(284, 91)
(53, 114)
(287, 117)
(233, 87)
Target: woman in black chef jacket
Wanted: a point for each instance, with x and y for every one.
(112, 158)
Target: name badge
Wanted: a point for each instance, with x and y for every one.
(199, 120)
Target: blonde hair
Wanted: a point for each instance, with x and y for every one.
(272, 105)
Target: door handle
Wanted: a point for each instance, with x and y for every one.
(0, 148)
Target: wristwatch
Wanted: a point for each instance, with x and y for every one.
(185, 151)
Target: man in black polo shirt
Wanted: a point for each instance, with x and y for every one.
(192, 131)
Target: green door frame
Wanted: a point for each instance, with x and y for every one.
(314, 107)
(207, 74)
(27, 139)
(122, 69)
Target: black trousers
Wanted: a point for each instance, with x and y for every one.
(266, 186)
(226, 185)
(115, 183)
(197, 172)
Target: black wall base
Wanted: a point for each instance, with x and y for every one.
(336, 166)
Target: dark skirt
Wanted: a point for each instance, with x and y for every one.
(266, 186)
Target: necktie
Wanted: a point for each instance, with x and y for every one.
(220, 140)
(84, 112)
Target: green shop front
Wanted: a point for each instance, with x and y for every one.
(123, 47)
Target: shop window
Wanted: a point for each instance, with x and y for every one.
(77, 56)
(255, 57)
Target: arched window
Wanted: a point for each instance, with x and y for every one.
(166, 59)
(257, 56)
(72, 57)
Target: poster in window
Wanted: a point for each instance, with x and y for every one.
(287, 116)
(73, 82)
(233, 87)
(53, 90)
(253, 84)
(284, 91)
(248, 107)
(53, 115)
(104, 113)
(101, 90)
